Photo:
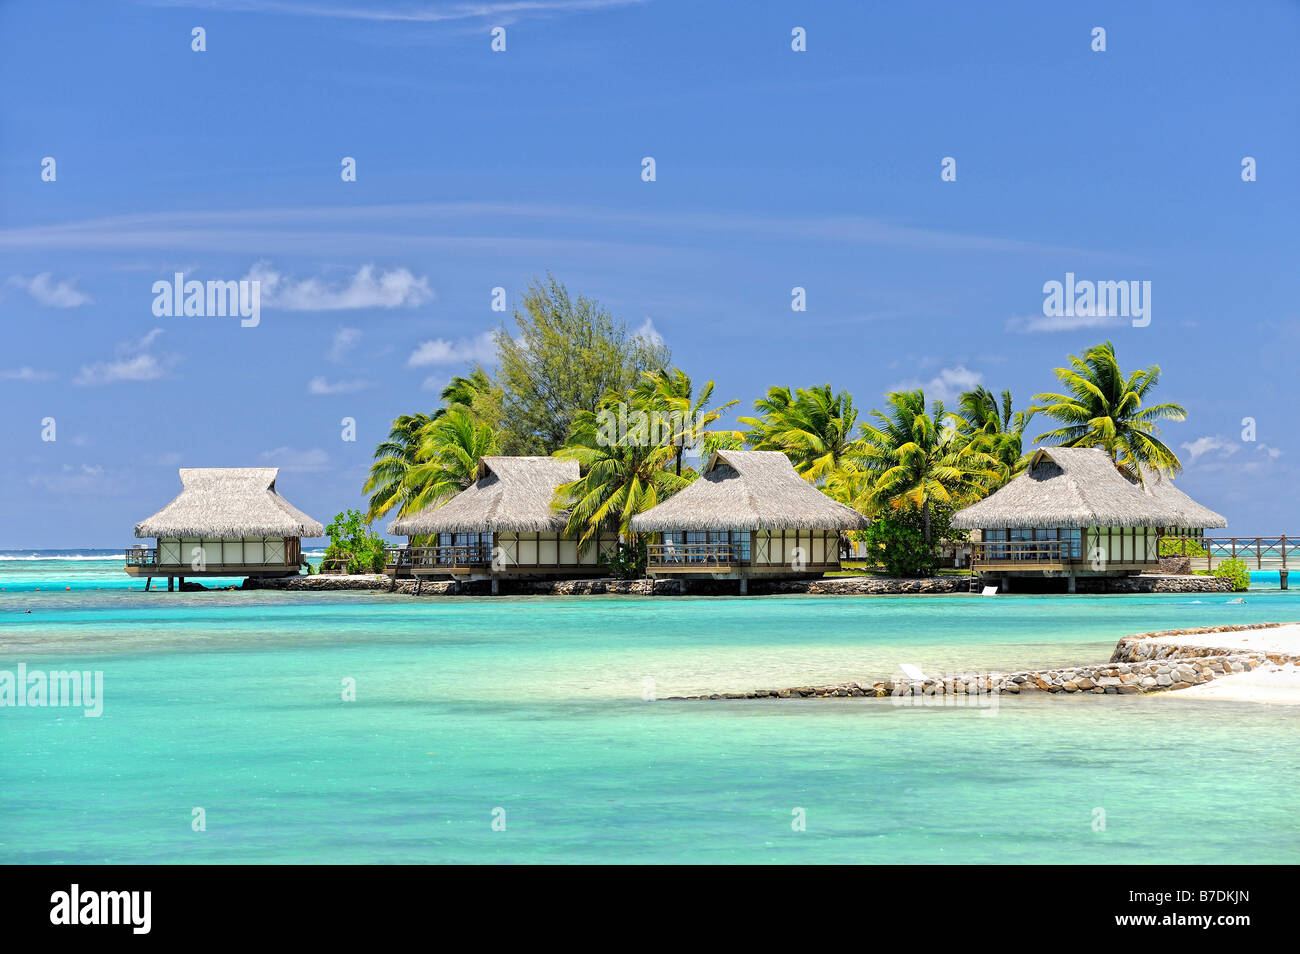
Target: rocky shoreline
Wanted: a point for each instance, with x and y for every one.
(1138, 665)
(826, 586)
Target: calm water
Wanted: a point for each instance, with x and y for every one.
(231, 702)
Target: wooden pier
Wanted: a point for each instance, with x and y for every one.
(1258, 553)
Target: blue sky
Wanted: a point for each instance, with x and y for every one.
(478, 169)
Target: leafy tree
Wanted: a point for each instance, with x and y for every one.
(447, 458)
(897, 540)
(393, 458)
(999, 431)
(670, 394)
(1103, 408)
(620, 479)
(353, 543)
(915, 464)
(814, 427)
(567, 353)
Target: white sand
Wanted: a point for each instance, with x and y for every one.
(1270, 683)
(1277, 685)
(1275, 639)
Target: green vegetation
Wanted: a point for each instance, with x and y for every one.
(570, 380)
(1235, 572)
(1181, 546)
(353, 545)
(1105, 409)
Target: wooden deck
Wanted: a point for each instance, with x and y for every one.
(1258, 553)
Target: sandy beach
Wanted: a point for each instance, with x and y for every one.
(1273, 683)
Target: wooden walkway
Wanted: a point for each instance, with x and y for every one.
(1258, 553)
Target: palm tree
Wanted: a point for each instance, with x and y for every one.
(671, 395)
(393, 458)
(981, 416)
(1103, 408)
(619, 480)
(463, 390)
(813, 427)
(916, 464)
(447, 458)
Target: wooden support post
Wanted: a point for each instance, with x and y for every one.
(1282, 575)
(148, 584)
(171, 580)
(1070, 587)
(496, 586)
(744, 586)
(1006, 582)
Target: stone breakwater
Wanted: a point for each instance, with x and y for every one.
(1138, 665)
(827, 586)
(833, 586)
(317, 582)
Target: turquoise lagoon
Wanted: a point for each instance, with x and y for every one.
(231, 702)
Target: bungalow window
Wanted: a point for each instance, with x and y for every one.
(469, 546)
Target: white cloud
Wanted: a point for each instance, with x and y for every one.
(133, 362)
(946, 386)
(319, 385)
(1215, 452)
(501, 11)
(1034, 324)
(368, 288)
(293, 460)
(345, 339)
(1210, 444)
(52, 294)
(649, 332)
(25, 373)
(445, 351)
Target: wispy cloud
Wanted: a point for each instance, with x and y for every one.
(133, 361)
(368, 288)
(25, 373)
(494, 227)
(1215, 452)
(947, 385)
(501, 10)
(444, 351)
(1035, 324)
(345, 340)
(46, 291)
(649, 332)
(320, 385)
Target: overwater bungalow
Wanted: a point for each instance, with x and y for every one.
(226, 521)
(1074, 512)
(501, 526)
(748, 515)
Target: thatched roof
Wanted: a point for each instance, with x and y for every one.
(1082, 487)
(511, 494)
(229, 502)
(1159, 487)
(749, 490)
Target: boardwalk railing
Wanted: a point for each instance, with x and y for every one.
(1258, 553)
(695, 554)
(1024, 551)
(142, 556)
(407, 559)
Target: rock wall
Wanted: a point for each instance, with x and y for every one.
(328, 581)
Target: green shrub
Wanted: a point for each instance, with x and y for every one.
(627, 561)
(353, 542)
(896, 541)
(1181, 546)
(1235, 572)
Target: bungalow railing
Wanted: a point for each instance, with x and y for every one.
(142, 556)
(695, 554)
(1258, 553)
(414, 558)
(1025, 551)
